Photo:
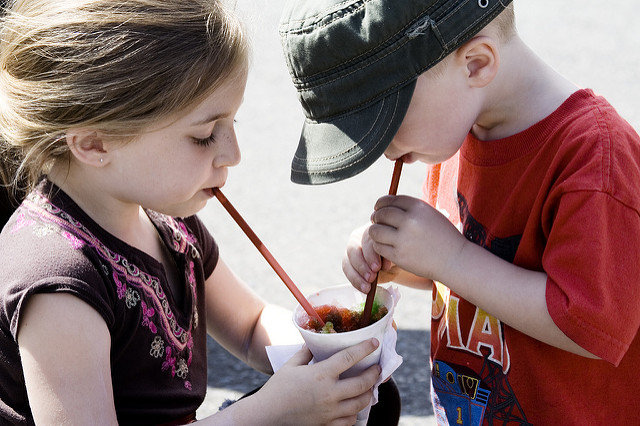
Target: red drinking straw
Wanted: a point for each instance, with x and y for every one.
(267, 255)
(368, 305)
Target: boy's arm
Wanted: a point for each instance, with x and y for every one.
(510, 293)
(419, 239)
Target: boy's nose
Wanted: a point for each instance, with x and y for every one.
(391, 153)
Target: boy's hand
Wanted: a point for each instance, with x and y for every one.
(361, 263)
(414, 236)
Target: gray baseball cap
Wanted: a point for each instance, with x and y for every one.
(354, 64)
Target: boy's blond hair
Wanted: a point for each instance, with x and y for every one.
(116, 66)
(505, 25)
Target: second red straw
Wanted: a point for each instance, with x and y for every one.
(368, 305)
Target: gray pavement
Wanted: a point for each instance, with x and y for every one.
(593, 43)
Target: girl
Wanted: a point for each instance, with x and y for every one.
(122, 113)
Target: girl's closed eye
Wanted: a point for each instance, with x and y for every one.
(209, 139)
(205, 141)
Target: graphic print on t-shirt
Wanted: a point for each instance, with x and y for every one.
(478, 392)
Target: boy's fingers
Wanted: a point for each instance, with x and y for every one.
(402, 202)
(388, 216)
(356, 279)
(372, 260)
(384, 201)
(382, 235)
(356, 269)
(357, 259)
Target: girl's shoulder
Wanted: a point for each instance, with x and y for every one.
(45, 250)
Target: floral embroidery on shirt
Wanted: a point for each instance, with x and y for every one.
(157, 347)
(132, 298)
(136, 288)
(147, 313)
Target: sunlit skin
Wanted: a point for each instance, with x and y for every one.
(445, 126)
(174, 163)
(492, 89)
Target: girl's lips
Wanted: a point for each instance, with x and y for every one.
(209, 192)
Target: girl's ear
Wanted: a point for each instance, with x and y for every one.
(481, 59)
(87, 146)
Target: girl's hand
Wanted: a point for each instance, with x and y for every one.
(361, 263)
(415, 236)
(301, 394)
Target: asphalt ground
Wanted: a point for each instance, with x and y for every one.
(593, 43)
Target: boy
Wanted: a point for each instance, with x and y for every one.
(535, 303)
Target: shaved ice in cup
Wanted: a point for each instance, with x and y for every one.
(323, 345)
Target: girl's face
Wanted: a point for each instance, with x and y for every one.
(173, 167)
(439, 117)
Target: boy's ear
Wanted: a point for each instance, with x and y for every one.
(87, 146)
(481, 59)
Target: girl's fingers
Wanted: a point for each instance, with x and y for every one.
(347, 358)
(352, 405)
(354, 387)
(302, 357)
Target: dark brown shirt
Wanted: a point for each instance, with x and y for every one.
(158, 355)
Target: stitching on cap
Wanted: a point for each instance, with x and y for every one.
(399, 35)
(355, 70)
(353, 148)
(486, 17)
(421, 27)
(320, 18)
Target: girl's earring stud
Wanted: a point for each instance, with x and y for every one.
(101, 160)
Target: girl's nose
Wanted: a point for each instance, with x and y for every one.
(229, 154)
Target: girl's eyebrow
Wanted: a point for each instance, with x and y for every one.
(209, 119)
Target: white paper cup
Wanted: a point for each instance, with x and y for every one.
(322, 346)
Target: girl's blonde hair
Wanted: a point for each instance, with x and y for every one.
(113, 65)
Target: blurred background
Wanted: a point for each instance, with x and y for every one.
(593, 43)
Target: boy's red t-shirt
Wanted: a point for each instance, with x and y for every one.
(560, 197)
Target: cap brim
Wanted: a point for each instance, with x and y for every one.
(334, 150)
